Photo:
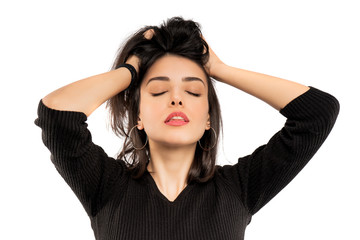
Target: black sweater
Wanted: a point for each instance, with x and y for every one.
(120, 207)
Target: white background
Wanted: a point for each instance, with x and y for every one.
(48, 44)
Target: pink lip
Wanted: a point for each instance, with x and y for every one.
(176, 122)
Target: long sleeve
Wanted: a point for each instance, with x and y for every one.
(263, 174)
(85, 167)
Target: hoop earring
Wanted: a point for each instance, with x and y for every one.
(133, 142)
(208, 149)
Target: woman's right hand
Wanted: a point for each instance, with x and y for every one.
(134, 61)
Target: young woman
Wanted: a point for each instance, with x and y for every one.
(165, 183)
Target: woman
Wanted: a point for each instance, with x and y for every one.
(164, 183)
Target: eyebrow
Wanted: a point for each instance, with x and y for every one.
(185, 79)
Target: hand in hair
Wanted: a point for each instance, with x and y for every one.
(213, 64)
(149, 34)
(134, 60)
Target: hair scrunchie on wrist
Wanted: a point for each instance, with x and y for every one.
(132, 71)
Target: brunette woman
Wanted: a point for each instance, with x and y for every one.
(165, 183)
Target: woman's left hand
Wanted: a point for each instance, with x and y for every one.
(213, 64)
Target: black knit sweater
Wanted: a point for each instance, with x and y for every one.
(120, 207)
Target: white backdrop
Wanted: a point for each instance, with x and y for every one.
(48, 44)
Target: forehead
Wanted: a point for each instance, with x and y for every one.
(175, 68)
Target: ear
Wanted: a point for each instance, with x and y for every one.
(140, 124)
(208, 123)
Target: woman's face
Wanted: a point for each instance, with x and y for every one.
(174, 84)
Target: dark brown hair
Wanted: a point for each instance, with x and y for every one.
(179, 37)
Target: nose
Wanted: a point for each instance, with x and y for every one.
(176, 100)
(176, 97)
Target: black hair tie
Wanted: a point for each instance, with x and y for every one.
(132, 71)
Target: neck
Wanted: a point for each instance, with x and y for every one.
(169, 166)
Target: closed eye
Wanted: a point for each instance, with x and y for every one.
(157, 94)
(191, 93)
(194, 94)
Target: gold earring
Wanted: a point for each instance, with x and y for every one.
(208, 149)
(133, 142)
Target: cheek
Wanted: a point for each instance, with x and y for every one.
(150, 111)
(200, 110)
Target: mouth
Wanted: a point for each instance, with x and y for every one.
(176, 119)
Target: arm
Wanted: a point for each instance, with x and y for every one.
(271, 167)
(310, 115)
(84, 166)
(275, 91)
(62, 116)
(88, 94)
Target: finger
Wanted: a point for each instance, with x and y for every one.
(205, 50)
(149, 34)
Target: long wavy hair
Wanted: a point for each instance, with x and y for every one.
(179, 37)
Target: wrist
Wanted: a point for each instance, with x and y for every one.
(218, 70)
(133, 72)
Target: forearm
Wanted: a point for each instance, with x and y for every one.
(88, 94)
(275, 91)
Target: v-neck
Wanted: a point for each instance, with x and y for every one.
(157, 191)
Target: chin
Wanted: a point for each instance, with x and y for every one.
(176, 142)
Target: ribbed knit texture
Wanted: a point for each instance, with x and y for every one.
(122, 208)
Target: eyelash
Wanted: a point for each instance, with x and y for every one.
(193, 94)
